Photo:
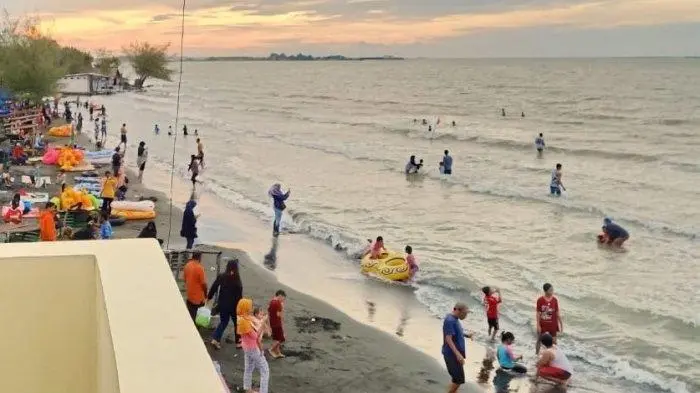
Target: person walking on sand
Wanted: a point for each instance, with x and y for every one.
(278, 198)
(195, 284)
(91, 111)
(108, 192)
(141, 158)
(104, 130)
(200, 152)
(454, 346)
(492, 300)
(548, 318)
(97, 130)
(447, 163)
(249, 327)
(123, 135)
(116, 160)
(189, 224)
(275, 311)
(555, 185)
(228, 290)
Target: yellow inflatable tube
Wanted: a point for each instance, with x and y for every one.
(391, 266)
(134, 215)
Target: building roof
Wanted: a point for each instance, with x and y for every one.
(86, 74)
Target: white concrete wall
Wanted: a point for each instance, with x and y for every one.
(48, 331)
(155, 346)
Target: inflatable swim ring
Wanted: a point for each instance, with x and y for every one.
(141, 206)
(134, 215)
(391, 266)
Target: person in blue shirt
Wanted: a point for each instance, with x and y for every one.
(453, 346)
(105, 227)
(278, 198)
(447, 163)
(616, 235)
(539, 144)
(506, 358)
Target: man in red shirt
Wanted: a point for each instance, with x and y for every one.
(492, 299)
(548, 318)
(276, 313)
(195, 284)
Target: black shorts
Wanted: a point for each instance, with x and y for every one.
(493, 323)
(455, 369)
(123, 138)
(142, 166)
(194, 177)
(447, 171)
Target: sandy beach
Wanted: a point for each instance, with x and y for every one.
(325, 346)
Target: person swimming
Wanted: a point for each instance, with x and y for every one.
(615, 235)
(412, 166)
(377, 249)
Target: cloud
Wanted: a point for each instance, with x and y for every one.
(249, 25)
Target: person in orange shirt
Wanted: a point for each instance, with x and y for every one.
(14, 213)
(109, 190)
(47, 223)
(195, 284)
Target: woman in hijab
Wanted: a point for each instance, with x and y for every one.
(278, 198)
(228, 290)
(189, 224)
(248, 327)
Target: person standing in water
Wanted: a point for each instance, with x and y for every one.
(539, 144)
(278, 198)
(548, 318)
(447, 163)
(184, 130)
(170, 130)
(556, 186)
(156, 129)
(200, 151)
(141, 158)
(104, 130)
(194, 168)
(503, 112)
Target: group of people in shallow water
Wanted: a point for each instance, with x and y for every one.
(444, 166)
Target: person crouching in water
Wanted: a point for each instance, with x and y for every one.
(506, 357)
(278, 198)
(249, 328)
(553, 364)
(412, 166)
(615, 235)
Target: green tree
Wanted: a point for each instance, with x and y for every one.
(106, 63)
(148, 61)
(29, 61)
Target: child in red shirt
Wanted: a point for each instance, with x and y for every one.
(492, 300)
(276, 314)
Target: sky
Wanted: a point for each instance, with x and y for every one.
(410, 28)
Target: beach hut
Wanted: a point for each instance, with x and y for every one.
(85, 84)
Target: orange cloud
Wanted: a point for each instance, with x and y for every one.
(226, 28)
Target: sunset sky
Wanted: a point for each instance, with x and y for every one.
(425, 28)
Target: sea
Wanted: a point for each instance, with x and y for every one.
(338, 134)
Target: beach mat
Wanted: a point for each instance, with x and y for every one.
(33, 213)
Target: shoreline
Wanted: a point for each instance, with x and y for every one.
(426, 369)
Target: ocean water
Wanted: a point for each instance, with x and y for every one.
(339, 134)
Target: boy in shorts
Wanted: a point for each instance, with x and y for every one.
(492, 300)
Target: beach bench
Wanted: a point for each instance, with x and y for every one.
(23, 237)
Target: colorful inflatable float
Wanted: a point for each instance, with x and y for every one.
(390, 266)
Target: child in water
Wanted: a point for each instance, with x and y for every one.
(506, 357)
(411, 260)
(377, 248)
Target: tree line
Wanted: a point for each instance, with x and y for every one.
(31, 62)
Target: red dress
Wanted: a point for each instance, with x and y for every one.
(274, 309)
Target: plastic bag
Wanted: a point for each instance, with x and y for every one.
(203, 318)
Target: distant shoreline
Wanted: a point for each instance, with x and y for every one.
(299, 57)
